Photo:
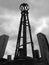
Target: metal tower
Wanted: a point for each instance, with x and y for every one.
(21, 49)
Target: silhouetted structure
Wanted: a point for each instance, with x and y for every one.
(3, 43)
(36, 54)
(2, 61)
(21, 57)
(9, 57)
(43, 43)
(22, 34)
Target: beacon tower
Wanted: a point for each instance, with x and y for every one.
(21, 47)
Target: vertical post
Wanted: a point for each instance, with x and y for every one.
(24, 35)
(3, 42)
(43, 43)
(36, 54)
(9, 57)
(32, 45)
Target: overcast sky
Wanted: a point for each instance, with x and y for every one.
(10, 19)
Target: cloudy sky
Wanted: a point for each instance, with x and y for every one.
(10, 19)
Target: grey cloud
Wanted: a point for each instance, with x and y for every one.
(11, 4)
(38, 8)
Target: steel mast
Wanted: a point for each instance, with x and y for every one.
(24, 23)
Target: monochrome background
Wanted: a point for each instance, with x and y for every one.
(10, 19)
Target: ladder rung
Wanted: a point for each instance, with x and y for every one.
(24, 44)
(21, 36)
(26, 25)
(26, 19)
(28, 42)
